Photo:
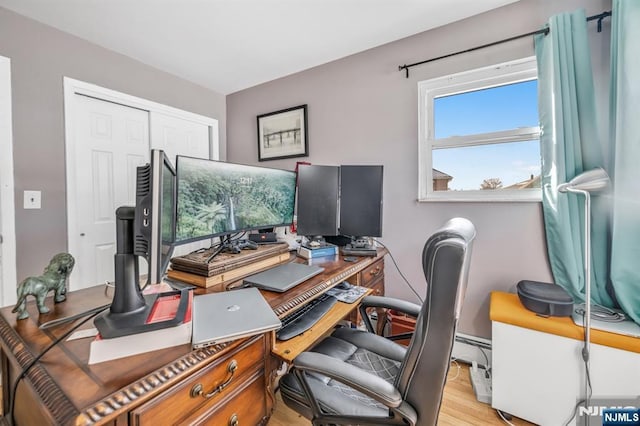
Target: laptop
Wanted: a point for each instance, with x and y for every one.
(283, 277)
(229, 315)
(622, 325)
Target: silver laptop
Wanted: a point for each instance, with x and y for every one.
(229, 315)
(624, 326)
(283, 277)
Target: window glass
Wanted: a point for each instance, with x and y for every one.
(512, 165)
(504, 107)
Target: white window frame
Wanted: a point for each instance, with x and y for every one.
(478, 79)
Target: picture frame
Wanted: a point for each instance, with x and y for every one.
(283, 134)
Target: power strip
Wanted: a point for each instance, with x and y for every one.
(481, 383)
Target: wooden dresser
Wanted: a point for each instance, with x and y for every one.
(225, 384)
(170, 386)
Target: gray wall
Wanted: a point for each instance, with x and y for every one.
(40, 57)
(361, 110)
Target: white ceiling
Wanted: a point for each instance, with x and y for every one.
(230, 45)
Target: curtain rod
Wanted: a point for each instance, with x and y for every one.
(544, 31)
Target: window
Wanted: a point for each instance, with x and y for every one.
(479, 135)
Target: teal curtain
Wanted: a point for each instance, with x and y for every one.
(625, 137)
(569, 145)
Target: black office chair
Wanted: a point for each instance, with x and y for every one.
(358, 377)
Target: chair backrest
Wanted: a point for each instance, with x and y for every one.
(445, 260)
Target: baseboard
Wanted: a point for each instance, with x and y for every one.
(469, 348)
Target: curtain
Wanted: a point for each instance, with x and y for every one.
(569, 145)
(625, 136)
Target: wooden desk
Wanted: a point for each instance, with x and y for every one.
(153, 387)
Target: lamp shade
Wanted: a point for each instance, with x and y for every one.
(590, 181)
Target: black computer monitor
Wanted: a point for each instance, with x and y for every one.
(216, 198)
(318, 191)
(361, 200)
(154, 225)
(145, 230)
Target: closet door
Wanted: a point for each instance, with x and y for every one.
(109, 141)
(181, 136)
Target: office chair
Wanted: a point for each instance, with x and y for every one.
(358, 377)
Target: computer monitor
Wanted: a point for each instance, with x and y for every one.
(145, 230)
(216, 198)
(318, 192)
(154, 225)
(361, 200)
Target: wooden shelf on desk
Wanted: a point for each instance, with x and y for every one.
(289, 349)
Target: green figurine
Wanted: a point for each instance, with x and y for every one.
(54, 278)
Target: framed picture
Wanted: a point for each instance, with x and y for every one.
(283, 134)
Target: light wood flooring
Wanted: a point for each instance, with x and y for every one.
(459, 406)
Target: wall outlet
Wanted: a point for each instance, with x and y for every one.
(32, 199)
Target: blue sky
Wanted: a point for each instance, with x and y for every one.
(501, 108)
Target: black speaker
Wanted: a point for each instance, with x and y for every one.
(263, 237)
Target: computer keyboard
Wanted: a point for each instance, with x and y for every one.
(304, 318)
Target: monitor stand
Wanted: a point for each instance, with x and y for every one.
(130, 309)
(315, 242)
(360, 246)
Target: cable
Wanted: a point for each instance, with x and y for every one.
(38, 357)
(399, 271)
(504, 418)
(455, 361)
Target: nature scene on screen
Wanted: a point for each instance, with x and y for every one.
(216, 198)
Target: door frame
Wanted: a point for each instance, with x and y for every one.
(7, 195)
(74, 87)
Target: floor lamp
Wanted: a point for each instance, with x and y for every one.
(588, 182)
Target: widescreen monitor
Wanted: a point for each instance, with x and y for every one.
(317, 213)
(216, 198)
(361, 200)
(154, 223)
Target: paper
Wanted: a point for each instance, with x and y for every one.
(346, 292)
(83, 334)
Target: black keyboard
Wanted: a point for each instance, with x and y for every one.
(304, 318)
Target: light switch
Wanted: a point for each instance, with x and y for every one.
(32, 199)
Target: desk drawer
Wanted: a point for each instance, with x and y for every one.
(247, 407)
(235, 369)
(373, 271)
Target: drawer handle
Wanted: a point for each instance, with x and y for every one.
(233, 420)
(375, 272)
(197, 390)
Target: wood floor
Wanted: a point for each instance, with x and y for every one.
(459, 407)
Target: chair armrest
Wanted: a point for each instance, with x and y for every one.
(391, 303)
(367, 383)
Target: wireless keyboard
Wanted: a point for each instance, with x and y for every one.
(304, 318)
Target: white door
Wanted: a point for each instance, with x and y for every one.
(178, 136)
(107, 136)
(109, 141)
(7, 210)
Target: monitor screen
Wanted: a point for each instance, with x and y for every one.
(317, 213)
(216, 198)
(154, 222)
(361, 201)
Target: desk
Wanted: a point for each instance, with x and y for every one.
(155, 387)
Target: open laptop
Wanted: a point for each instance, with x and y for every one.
(282, 277)
(220, 317)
